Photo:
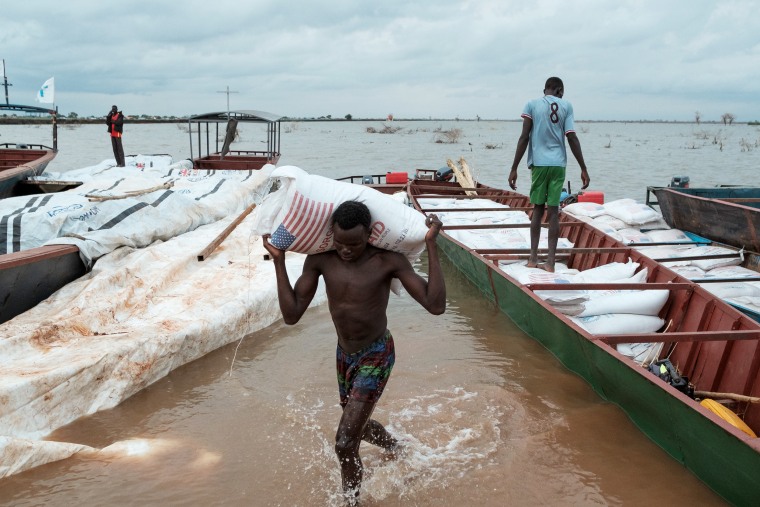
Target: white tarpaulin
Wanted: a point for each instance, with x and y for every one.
(147, 307)
(138, 315)
(150, 199)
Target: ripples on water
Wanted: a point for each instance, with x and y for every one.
(489, 417)
(623, 158)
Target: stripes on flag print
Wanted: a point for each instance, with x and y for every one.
(302, 225)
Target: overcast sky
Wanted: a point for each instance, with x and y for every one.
(620, 60)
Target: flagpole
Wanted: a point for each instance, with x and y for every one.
(6, 84)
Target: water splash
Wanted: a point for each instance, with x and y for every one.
(445, 435)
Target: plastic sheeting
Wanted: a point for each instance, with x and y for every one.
(140, 312)
(138, 315)
(150, 199)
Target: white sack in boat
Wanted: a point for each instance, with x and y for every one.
(642, 353)
(673, 253)
(656, 225)
(708, 264)
(688, 271)
(732, 289)
(526, 275)
(609, 221)
(668, 236)
(586, 209)
(610, 272)
(139, 314)
(731, 272)
(630, 235)
(667, 252)
(605, 227)
(639, 302)
(615, 272)
(554, 297)
(619, 323)
(631, 212)
(574, 298)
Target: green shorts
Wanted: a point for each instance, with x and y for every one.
(546, 184)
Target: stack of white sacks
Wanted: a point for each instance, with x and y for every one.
(599, 312)
(504, 238)
(635, 223)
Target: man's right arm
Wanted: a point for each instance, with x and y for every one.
(575, 147)
(522, 145)
(293, 300)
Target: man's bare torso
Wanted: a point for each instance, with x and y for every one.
(357, 294)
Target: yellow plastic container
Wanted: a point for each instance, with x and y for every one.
(727, 415)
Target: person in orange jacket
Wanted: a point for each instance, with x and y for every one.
(115, 122)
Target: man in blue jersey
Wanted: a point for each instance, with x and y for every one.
(546, 123)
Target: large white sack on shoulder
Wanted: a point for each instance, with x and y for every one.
(640, 302)
(607, 272)
(619, 323)
(631, 212)
(298, 215)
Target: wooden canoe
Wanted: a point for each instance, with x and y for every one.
(713, 344)
(729, 215)
(18, 164)
(29, 277)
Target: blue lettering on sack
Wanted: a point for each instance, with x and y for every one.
(57, 210)
(90, 213)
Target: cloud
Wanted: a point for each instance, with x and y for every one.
(633, 59)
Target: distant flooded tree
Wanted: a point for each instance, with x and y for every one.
(728, 118)
(697, 117)
(448, 136)
(349, 117)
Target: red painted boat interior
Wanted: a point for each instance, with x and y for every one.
(716, 346)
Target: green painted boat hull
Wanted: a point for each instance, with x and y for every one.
(721, 460)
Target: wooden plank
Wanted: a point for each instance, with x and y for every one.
(35, 255)
(695, 258)
(610, 286)
(573, 250)
(689, 336)
(503, 226)
(226, 232)
(468, 210)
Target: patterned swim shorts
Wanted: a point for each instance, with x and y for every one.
(362, 375)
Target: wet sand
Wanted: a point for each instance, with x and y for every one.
(489, 418)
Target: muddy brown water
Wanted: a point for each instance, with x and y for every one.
(489, 417)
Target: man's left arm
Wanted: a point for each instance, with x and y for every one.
(431, 294)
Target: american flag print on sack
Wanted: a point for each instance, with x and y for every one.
(300, 229)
